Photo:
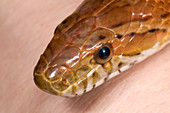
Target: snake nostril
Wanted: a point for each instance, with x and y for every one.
(69, 77)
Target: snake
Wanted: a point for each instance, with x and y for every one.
(100, 40)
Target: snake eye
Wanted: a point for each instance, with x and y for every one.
(104, 54)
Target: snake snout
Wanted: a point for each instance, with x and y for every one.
(53, 79)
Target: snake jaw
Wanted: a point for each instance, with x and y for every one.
(62, 81)
(59, 80)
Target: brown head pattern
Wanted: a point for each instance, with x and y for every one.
(98, 41)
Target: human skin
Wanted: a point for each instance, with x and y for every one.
(26, 27)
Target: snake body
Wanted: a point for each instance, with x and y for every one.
(131, 30)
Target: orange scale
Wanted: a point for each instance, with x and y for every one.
(79, 32)
(148, 41)
(138, 6)
(68, 57)
(160, 34)
(125, 40)
(151, 2)
(54, 48)
(68, 23)
(116, 43)
(159, 4)
(131, 47)
(157, 12)
(118, 50)
(148, 9)
(105, 17)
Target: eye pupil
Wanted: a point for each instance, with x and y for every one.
(104, 52)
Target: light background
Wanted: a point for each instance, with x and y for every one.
(27, 26)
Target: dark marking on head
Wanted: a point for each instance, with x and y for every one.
(138, 53)
(94, 86)
(118, 36)
(132, 34)
(120, 64)
(152, 30)
(94, 74)
(101, 37)
(126, 5)
(102, 65)
(119, 71)
(76, 94)
(118, 25)
(165, 15)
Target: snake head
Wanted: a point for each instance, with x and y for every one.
(76, 60)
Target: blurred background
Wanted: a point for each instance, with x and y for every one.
(26, 27)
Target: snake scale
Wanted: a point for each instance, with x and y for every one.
(98, 41)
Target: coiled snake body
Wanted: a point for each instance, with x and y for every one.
(98, 41)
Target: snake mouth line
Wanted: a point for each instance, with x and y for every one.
(43, 83)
